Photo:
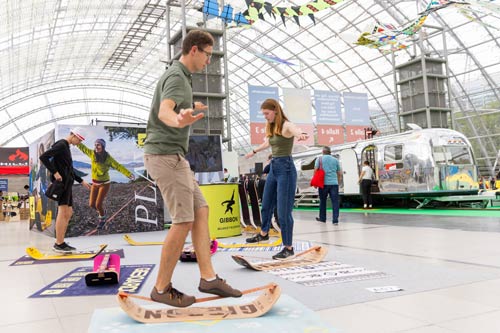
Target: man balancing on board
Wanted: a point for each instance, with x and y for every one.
(166, 144)
(59, 162)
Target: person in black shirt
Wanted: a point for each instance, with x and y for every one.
(59, 162)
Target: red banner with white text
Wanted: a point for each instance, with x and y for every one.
(14, 161)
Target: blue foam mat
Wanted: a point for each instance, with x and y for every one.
(287, 315)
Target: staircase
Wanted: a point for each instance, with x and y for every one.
(307, 198)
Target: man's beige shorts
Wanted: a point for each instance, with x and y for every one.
(177, 184)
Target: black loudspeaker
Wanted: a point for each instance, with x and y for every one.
(258, 168)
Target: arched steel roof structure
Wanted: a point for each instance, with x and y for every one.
(66, 61)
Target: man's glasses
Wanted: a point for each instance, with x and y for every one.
(209, 55)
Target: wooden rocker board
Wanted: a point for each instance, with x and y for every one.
(311, 256)
(245, 245)
(256, 308)
(106, 270)
(36, 254)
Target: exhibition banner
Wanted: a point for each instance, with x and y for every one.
(298, 109)
(223, 202)
(328, 109)
(121, 187)
(257, 133)
(354, 133)
(357, 116)
(329, 135)
(328, 117)
(256, 96)
(121, 192)
(356, 109)
(14, 161)
(42, 210)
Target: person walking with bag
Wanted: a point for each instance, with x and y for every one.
(365, 181)
(333, 175)
(282, 177)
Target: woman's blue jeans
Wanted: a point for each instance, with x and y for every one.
(279, 191)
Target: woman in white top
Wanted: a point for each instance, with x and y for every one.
(365, 180)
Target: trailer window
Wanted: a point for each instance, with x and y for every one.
(439, 155)
(393, 157)
(393, 153)
(458, 155)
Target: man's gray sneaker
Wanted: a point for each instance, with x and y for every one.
(172, 296)
(218, 287)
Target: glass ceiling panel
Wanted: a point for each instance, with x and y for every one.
(55, 52)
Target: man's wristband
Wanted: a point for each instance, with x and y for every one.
(254, 151)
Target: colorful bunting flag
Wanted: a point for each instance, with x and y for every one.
(387, 38)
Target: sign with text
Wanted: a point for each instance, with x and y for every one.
(132, 278)
(354, 133)
(327, 107)
(223, 201)
(328, 117)
(128, 199)
(298, 110)
(330, 135)
(356, 109)
(14, 161)
(256, 96)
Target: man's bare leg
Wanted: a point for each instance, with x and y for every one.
(209, 282)
(201, 242)
(170, 253)
(64, 213)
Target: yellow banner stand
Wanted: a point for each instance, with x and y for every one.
(224, 209)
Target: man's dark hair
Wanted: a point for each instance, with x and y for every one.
(327, 150)
(199, 38)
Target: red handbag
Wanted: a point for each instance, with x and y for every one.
(318, 179)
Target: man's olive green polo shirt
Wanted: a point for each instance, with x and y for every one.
(174, 84)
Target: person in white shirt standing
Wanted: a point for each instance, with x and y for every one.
(365, 180)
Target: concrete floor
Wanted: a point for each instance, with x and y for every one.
(447, 266)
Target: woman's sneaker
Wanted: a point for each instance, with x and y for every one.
(257, 238)
(172, 296)
(285, 253)
(218, 287)
(63, 248)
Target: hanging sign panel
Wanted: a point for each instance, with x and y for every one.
(298, 110)
(257, 95)
(357, 116)
(328, 117)
(356, 109)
